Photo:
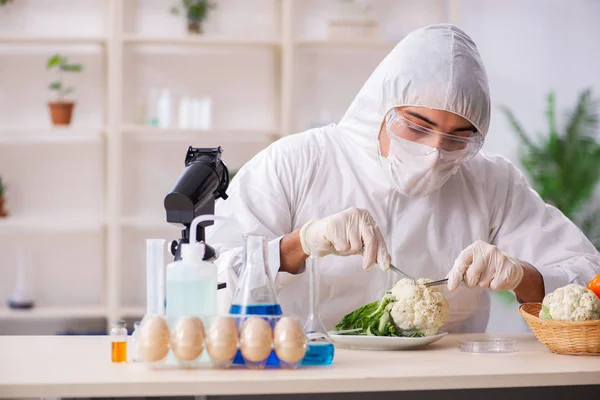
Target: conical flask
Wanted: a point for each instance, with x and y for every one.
(320, 349)
(255, 292)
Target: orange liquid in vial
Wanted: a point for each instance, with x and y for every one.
(119, 352)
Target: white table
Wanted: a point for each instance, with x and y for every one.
(67, 366)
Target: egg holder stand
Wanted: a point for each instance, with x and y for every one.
(167, 342)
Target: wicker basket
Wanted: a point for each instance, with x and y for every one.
(563, 337)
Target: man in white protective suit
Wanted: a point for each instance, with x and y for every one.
(401, 179)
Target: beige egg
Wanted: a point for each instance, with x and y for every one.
(151, 354)
(187, 338)
(290, 340)
(222, 339)
(256, 339)
(153, 339)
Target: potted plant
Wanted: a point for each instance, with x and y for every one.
(3, 212)
(196, 12)
(61, 110)
(563, 165)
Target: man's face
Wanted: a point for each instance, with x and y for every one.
(441, 121)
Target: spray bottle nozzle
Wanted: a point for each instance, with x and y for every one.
(195, 250)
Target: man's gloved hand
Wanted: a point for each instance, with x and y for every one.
(352, 231)
(482, 264)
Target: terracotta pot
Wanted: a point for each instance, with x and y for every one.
(61, 112)
(194, 26)
(3, 212)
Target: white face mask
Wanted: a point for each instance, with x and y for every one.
(417, 175)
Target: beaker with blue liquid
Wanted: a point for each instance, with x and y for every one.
(255, 292)
(320, 350)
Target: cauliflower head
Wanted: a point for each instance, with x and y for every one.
(417, 308)
(571, 303)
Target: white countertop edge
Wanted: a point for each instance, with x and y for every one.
(290, 386)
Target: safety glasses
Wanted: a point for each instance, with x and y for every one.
(452, 147)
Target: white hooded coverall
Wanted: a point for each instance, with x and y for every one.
(324, 171)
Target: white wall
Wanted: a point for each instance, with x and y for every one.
(529, 48)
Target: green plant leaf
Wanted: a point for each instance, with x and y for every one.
(55, 60)
(551, 115)
(194, 9)
(415, 334)
(71, 67)
(56, 85)
(583, 119)
(367, 318)
(545, 313)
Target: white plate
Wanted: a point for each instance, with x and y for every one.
(384, 342)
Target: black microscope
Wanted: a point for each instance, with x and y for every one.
(203, 181)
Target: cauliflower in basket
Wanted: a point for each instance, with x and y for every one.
(418, 308)
(571, 303)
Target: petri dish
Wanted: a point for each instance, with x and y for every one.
(488, 345)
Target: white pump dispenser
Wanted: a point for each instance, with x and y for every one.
(191, 281)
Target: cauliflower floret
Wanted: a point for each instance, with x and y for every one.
(418, 308)
(572, 303)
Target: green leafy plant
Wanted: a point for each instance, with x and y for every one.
(61, 64)
(5, 2)
(196, 10)
(2, 187)
(564, 164)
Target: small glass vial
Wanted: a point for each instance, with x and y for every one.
(118, 338)
(134, 355)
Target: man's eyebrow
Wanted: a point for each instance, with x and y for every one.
(422, 118)
(430, 122)
(469, 128)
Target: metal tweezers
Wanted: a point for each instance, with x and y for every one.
(436, 283)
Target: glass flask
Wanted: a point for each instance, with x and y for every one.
(320, 349)
(255, 292)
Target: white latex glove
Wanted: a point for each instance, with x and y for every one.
(352, 231)
(482, 264)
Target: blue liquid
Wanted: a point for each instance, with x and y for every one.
(318, 354)
(257, 309)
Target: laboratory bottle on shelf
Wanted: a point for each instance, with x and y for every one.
(164, 109)
(134, 355)
(255, 292)
(118, 338)
(152, 107)
(20, 298)
(320, 350)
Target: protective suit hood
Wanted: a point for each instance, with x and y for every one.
(437, 67)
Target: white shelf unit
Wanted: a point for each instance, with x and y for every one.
(51, 40)
(50, 312)
(200, 41)
(346, 43)
(118, 226)
(20, 136)
(15, 225)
